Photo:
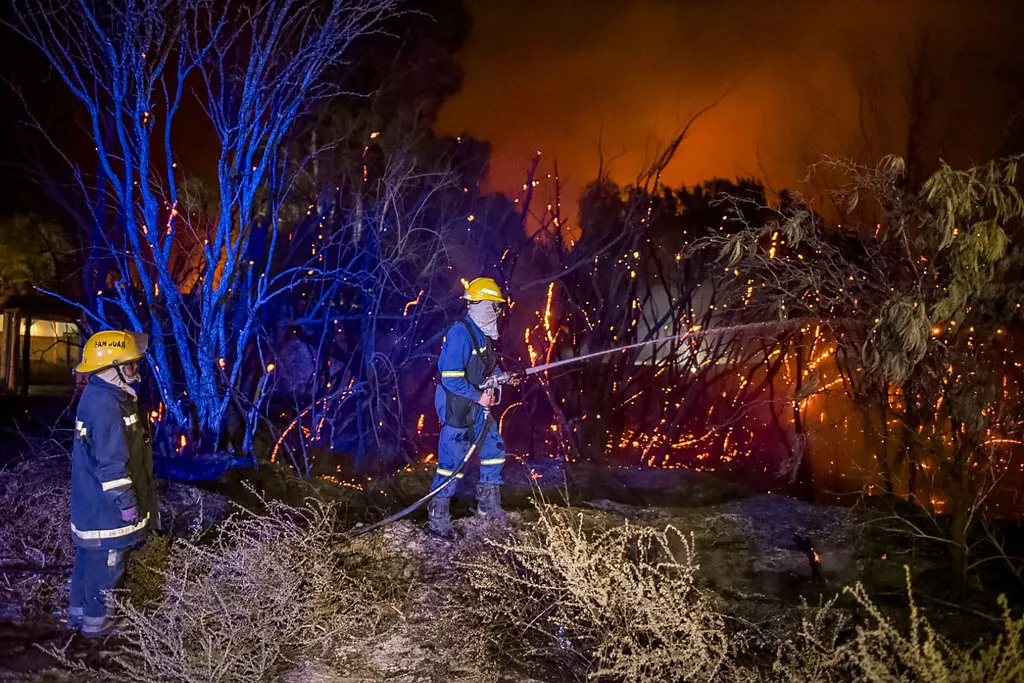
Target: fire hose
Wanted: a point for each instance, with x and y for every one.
(493, 386)
(449, 480)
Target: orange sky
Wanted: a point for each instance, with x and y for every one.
(559, 75)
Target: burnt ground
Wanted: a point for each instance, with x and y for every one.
(747, 546)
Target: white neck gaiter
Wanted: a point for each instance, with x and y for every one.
(112, 376)
(485, 316)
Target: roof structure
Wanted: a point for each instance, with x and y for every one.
(40, 307)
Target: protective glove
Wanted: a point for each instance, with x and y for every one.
(129, 515)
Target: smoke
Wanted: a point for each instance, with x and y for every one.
(793, 80)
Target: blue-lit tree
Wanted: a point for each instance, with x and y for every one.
(155, 77)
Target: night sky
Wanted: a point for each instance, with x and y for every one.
(562, 75)
(559, 75)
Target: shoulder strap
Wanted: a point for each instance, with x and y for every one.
(469, 331)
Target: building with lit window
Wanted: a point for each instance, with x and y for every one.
(40, 343)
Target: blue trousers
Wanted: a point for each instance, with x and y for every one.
(452, 447)
(96, 572)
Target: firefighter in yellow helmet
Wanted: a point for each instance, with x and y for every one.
(113, 492)
(467, 359)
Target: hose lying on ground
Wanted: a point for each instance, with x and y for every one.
(477, 445)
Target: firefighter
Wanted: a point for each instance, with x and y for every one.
(113, 493)
(467, 359)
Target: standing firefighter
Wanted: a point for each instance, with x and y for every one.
(113, 494)
(467, 360)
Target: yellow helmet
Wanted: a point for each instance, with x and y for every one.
(484, 289)
(110, 349)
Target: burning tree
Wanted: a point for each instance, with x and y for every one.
(631, 275)
(639, 284)
(197, 277)
(918, 288)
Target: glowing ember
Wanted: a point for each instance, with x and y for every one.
(405, 311)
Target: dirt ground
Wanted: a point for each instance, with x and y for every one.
(752, 549)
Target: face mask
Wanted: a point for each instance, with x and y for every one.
(485, 314)
(132, 373)
(120, 378)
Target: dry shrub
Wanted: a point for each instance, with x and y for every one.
(270, 591)
(35, 530)
(880, 651)
(618, 603)
(147, 567)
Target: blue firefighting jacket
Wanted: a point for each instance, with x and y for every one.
(466, 360)
(111, 469)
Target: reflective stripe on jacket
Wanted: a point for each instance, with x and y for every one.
(466, 360)
(111, 469)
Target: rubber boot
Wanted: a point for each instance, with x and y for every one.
(440, 518)
(488, 501)
(98, 627)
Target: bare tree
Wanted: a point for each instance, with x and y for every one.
(196, 281)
